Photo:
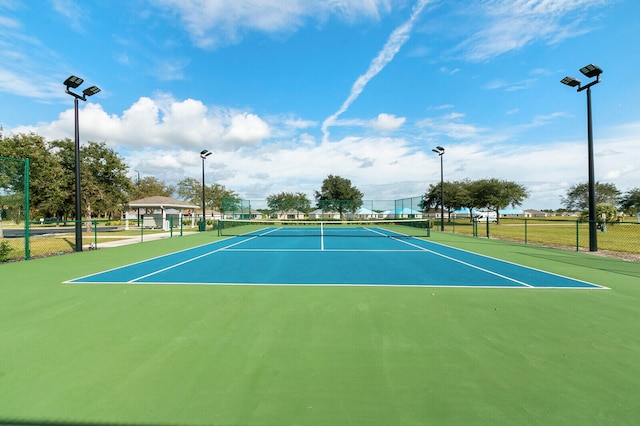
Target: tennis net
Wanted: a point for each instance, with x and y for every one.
(309, 228)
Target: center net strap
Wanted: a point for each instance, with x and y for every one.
(310, 228)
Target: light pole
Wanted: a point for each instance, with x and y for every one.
(74, 82)
(440, 151)
(203, 224)
(589, 71)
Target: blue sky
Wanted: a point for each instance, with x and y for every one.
(285, 93)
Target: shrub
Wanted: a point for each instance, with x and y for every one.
(5, 249)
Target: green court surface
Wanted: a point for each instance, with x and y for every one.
(278, 355)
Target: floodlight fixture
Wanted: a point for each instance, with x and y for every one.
(591, 71)
(73, 82)
(90, 91)
(205, 153)
(570, 81)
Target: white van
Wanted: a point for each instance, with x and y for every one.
(487, 216)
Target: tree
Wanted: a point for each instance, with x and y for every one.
(49, 186)
(286, 201)
(495, 194)
(190, 189)
(456, 196)
(105, 183)
(578, 196)
(150, 186)
(339, 195)
(630, 202)
(105, 186)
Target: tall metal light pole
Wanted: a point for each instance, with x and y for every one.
(74, 82)
(203, 224)
(589, 71)
(440, 151)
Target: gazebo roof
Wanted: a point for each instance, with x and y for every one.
(159, 202)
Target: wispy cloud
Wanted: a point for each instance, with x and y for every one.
(512, 24)
(452, 126)
(72, 13)
(399, 36)
(220, 22)
(509, 86)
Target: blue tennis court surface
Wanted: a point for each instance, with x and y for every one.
(373, 257)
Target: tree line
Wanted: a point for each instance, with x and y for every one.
(107, 188)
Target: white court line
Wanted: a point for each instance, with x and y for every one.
(464, 263)
(189, 260)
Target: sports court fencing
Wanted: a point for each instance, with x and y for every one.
(622, 239)
(14, 204)
(54, 237)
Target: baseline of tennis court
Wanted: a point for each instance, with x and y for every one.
(387, 259)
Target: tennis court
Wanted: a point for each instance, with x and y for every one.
(333, 254)
(390, 351)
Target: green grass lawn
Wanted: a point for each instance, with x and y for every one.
(241, 355)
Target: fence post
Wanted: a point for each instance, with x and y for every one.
(27, 214)
(577, 235)
(95, 233)
(525, 231)
(170, 226)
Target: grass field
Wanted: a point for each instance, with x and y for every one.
(208, 355)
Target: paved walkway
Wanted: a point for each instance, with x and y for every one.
(122, 241)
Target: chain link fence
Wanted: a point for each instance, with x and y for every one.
(618, 239)
(55, 237)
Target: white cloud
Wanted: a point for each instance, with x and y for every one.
(246, 129)
(387, 122)
(160, 122)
